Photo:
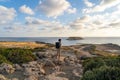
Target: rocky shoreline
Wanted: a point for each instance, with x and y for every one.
(47, 67)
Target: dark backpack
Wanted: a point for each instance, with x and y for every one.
(57, 45)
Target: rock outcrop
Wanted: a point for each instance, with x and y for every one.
(6, 68)
(2, 77)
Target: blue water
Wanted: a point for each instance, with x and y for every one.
(86, 40)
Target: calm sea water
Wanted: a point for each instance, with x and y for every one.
(87, 40)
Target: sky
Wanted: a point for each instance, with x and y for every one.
(59, 18)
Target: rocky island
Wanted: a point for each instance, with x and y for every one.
(74, 38)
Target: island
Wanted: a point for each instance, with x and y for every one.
(74, 38)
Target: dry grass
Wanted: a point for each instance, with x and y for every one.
(105, 53)
(20, 45)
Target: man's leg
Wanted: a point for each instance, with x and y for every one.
(59, 54)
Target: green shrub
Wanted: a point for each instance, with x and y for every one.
(20, 56)
(90, 64)
(42, 49)
(112, 61)
(3, 59)
(102, 73)
(17, 55)
(102, 68)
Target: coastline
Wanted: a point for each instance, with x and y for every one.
(46, 66)
(52, 40)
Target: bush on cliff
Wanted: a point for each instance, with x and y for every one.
(103, 73)
(102, 68)
(3, 59)
(17, 55)
(93, 63)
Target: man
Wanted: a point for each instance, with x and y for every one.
(58, 47)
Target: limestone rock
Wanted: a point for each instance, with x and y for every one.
(2, 77)
(41, 55)
(34, 68)
(17, 67)
(28, 72)
(31, 78)
(6, 68)
(14, 79)
(54, 76)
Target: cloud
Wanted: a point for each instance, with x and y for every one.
(44, 24)
(35, 27)
(98, 21)
(54, 8)
(16, 27)
(26, 10)
(104, 4)
(35, 21)
(80, 23)
(72, 11)
(88, 3)
(6, 14)
(115, 23)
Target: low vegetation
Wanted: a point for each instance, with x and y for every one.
(102, 68)
(3, 59)
(104, 53)
(16, 55)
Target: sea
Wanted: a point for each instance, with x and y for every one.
(52, 40)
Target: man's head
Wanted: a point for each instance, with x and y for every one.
(59, 40)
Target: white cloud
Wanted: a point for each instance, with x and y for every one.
(43, 24)
(70, 11)
(6, 14)
(104, 4)
(16, 27)
(26, 10)
(80, 23)
(88, 3)
(36, 27)
(33, 20)
(54, 8)
(98, 21)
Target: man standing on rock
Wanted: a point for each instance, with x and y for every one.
(58, 47)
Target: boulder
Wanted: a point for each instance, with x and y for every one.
(89, 48)
(41, 55)
(34, 68)
(28, 72)
(41, 69)
(2, 77)
(54, 76)
(17, 67)
(32, 77)
(14, 79)
(77, 72)
(49, 63)
(70, 60)
(6, 68)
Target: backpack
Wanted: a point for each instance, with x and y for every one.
(57, 45)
